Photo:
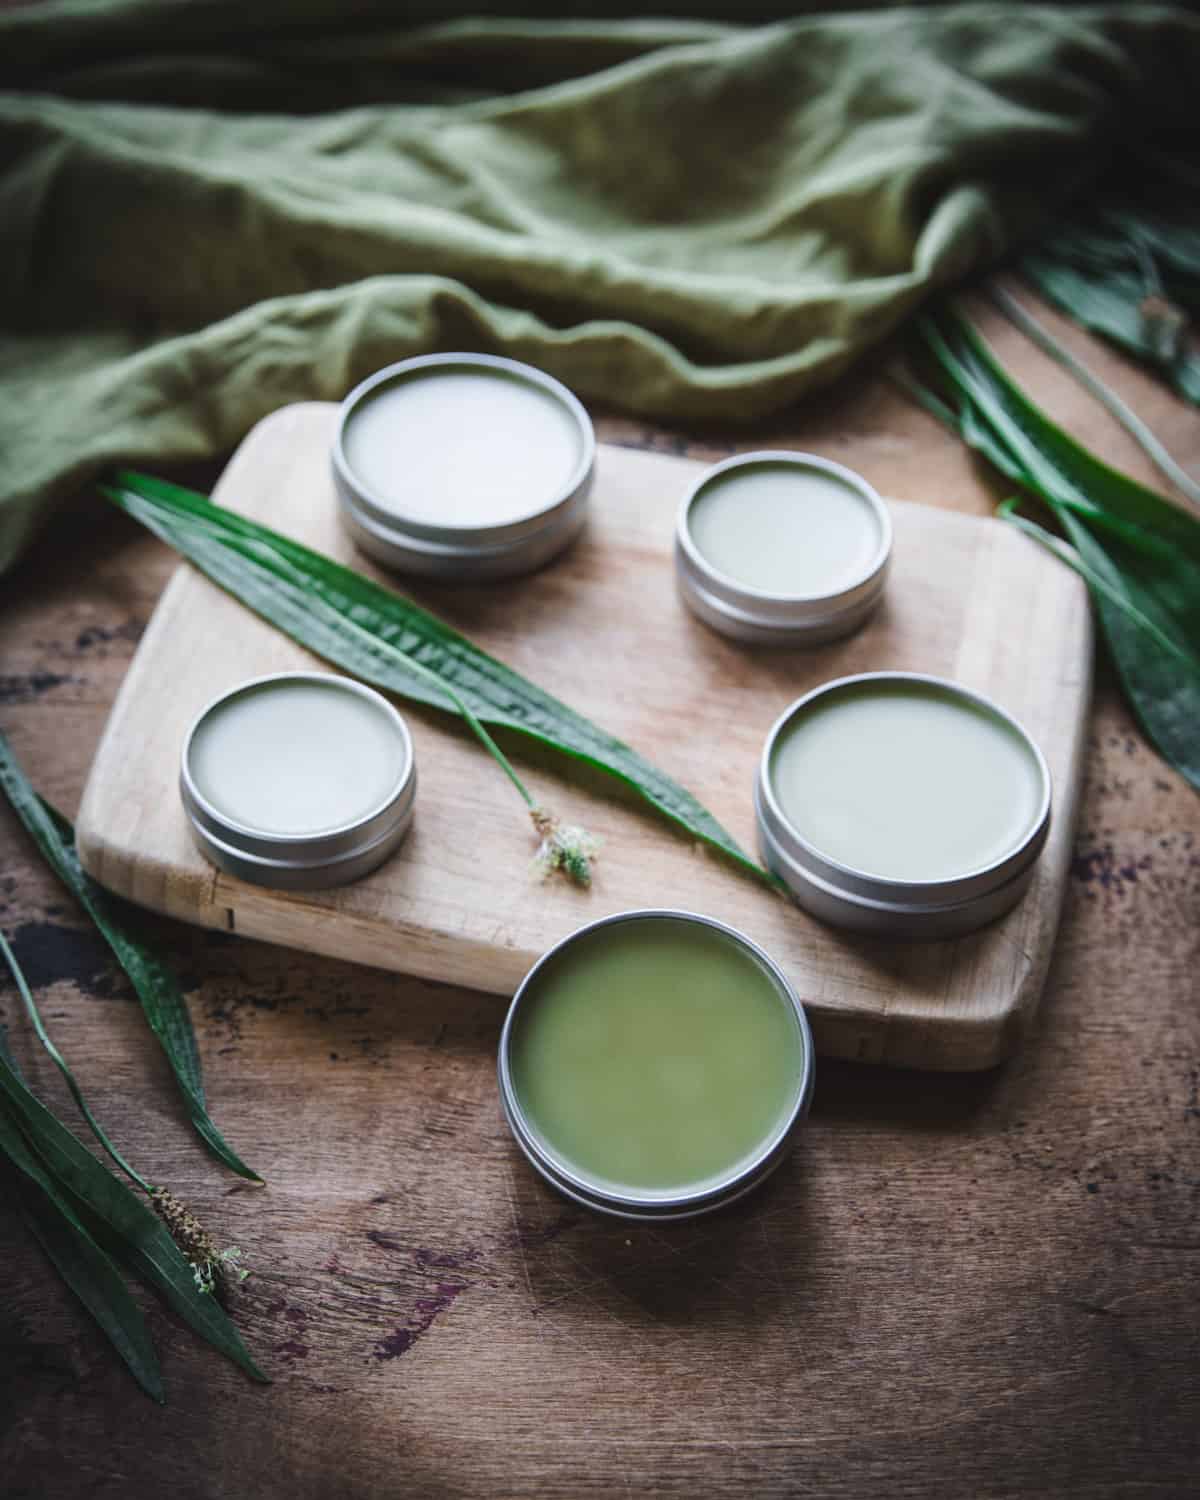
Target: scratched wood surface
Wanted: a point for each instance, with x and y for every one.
(968, 598)
(958, 1286)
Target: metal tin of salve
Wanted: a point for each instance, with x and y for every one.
(924, 805)
(783, 549)
(463, 466)
(298, 780)
(658, 1105)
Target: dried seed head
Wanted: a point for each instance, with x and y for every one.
(563, 847)
(1165, 326)
(208, 1263)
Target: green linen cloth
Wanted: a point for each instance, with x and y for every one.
(208, 210)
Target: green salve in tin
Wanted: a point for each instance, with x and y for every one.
(655, 1057)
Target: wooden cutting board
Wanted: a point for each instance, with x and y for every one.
(603, 629)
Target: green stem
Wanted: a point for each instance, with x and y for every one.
(1141, 433)
(1007, 511)
(480, 733)
(923, 396)
(43, 1037)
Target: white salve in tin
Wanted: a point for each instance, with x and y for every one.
(907, 781)
(297, 755)
(462, 446)
(299, 780)
(778, 548)
(463, 466)
(786, 528)
(901, 804)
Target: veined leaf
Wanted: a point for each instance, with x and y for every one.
(1139, 431)
(372, 632)
(1139, 553)
(1107, 302)
(132, 1232)
(162, 1003)
(1099, 581)
(997, 418)
(81, 1263)
(1127, 264)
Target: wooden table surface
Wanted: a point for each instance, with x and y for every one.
(979, 1285)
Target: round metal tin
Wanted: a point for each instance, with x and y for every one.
(845, 897)
(452, 552)
(746, 614)
(686, 1205)
(308, 861)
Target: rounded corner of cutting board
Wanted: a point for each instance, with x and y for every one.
(967, 1044)
(111, 855)
(100, 858)
(100, 854)
(983, 1024)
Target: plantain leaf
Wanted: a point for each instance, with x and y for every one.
(1108, 303)
(372, 632)
(87, 1271)
(81, 1263)
(1000, 420)
(130, 1231)
(1126, 264)
(1139, 553)
(1099, 580)
(162, 1003)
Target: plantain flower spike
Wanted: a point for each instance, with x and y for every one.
(210, 1266)
(563, 847)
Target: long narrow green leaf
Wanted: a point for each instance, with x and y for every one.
(60, 1062)
(1163, 688)
(1000, 421)
(1099, 581)
(1134, 536)
(1107, 302)
(1117, 408)
(1126, 264)
(137, 1235)
(1073, 473)
(1139, 554)
(81, 1263)
(162, 1002)
(923, 396)
(87, 1271)
(371, 632)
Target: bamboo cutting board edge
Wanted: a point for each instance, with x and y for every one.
(960, 1005)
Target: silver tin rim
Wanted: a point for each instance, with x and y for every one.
(855, 898)
(308, 861)
(685, 1205)
(757, 617)
(436, 551)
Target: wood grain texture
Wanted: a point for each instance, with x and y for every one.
(968, 598)
(973, 1285)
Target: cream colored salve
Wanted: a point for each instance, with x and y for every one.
(906, 782)
(462, 447)
(784, 529)
(296, 758)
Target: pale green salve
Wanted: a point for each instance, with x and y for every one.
(462, 447)
(785, 529)
(906, 781)
(296, 757)
(655, 1057)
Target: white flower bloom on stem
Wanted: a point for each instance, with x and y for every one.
(564, 846)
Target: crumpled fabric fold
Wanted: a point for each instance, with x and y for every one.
(208, 211)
